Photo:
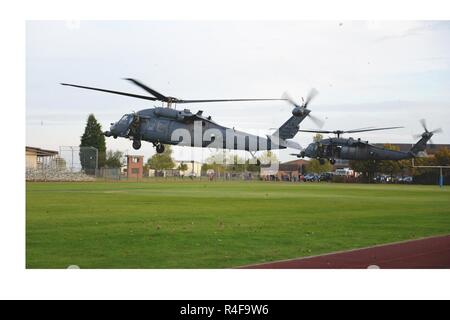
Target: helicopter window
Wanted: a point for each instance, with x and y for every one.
(162, 126)
(126, 119)
(152, 124)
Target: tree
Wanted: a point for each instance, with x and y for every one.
(92, 137)
(216, 162)
(367, 168)
(113, 159)
(317, 137)
(182, 167)
(431, 175)
(442, 157)
(390, 167)
(405, 166)
(219, 157)
(162, 161)
(268, 157)
(315, 166)
(234, 163)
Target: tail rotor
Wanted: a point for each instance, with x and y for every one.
(302, 109)
(427, 133)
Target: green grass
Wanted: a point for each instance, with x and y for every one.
(219, 224)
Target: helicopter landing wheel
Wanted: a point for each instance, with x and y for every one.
(322, 162)
(160, 148)
(332, 161)
(136, 144)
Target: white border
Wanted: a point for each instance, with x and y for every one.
(16, 282)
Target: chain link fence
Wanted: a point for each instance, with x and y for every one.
(80, 159)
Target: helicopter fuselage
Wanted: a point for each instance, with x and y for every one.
(162, 126)
(351, 149)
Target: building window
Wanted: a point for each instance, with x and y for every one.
(135, 160)
(135, 170)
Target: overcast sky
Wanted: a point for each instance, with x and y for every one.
(367, 74)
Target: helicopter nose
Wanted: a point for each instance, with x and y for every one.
(112, 130)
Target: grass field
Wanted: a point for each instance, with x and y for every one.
(219, 224)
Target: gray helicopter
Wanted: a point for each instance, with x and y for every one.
(165, 125)
(356, 149)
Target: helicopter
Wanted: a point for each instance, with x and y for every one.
(356, 149)
(168, 126)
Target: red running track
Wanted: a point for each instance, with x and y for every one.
(428, 253)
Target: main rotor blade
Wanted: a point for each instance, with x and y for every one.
(365, 128)
(160, 96)
(375, 129)
(225, 100)
(165, 98)
(111, 91)
(349, 131)
(316, 131)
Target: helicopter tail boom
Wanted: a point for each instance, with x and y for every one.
(420, 146)
(290, 128)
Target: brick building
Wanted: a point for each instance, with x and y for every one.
(135, 167)
(287, 171)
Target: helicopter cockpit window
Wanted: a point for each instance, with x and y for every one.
(126, 119)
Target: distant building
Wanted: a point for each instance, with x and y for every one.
(194, 168)
(287, 171)
(36, 158)
(135, 167)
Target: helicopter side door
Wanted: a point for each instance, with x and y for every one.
(156, 130)
(162, 130)
(148, 129)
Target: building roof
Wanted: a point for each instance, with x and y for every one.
(293, 165)
(41, 152)
(296, 162)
